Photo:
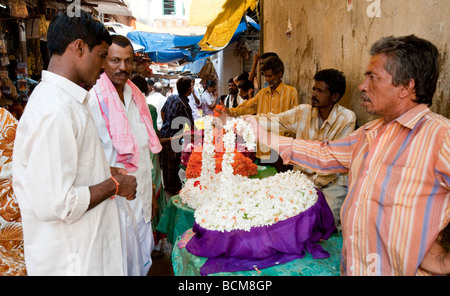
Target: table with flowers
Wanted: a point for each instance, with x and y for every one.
(272, 225)
(178, 217)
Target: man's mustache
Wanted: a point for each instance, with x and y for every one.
(365, 97)
(122, 72)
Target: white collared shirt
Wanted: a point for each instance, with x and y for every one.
(142, 204)
(57, 156)
(157, 100)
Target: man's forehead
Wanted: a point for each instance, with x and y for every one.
(268, 72)
(117, 50)
(319, 84)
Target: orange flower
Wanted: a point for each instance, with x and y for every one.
(241, 166)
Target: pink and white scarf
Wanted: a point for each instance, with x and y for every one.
(113, 113)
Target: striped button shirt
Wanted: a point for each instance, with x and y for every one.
(303, 122)
(283, 98)
(177, 113)
(399, 182)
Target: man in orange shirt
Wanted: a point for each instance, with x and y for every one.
(276, 98)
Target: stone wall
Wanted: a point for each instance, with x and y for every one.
(338, 34)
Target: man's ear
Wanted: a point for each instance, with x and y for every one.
(335, 97)
(79, 46)
(407, 89)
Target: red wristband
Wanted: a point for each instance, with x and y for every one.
(117, 186)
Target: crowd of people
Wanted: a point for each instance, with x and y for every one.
(97, 150)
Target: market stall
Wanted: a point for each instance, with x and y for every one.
(242, 222)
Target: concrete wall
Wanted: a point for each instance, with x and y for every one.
(335, 34)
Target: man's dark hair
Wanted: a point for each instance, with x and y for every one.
(122, 41)
(210, 83)
(410, 57)
(243, 76)
(268, 54)
(183, 85)
(65, 29)
(141, 83)
(334, 79)
(246, 85)
(273, 63)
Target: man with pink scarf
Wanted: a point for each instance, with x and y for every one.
(126, 130)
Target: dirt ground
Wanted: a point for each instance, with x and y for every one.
(162, 265)
(161, 260)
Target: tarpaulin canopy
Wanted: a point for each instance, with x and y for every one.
(166, 48)
(121, 29)
(221, 17)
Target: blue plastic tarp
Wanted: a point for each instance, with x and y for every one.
(166, 48)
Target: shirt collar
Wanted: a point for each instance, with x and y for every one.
(184, 99)
(278, 89)
(331, 117)
(408, 119)
(73, 89)
(333, 114)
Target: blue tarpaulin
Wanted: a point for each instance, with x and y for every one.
(166, 48)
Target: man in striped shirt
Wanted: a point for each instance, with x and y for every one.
(323, 119)
(399, 173)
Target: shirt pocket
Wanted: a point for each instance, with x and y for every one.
(399, 185)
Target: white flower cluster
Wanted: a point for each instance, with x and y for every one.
(226, 202)
(208, 162)
(254, 203)
(229, 143)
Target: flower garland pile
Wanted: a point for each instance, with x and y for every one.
(224, 201)
(242, 165)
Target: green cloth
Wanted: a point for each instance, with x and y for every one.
(264, 172)
(157, 180)
(177, 217)
(154, 114)
(186, 264)
(157, 175)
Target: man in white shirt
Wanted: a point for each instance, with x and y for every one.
(113, 95)
(158, 100)
(61, 178)
(195, 101)
(233, 99)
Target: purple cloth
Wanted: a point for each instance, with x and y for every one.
(265, 246)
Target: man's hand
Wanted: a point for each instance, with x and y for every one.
(127, 183)
(222, 112)
(127, 186)
(118, 171)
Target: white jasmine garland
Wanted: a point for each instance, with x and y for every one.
(232, 202)
(228, 157)
(208, 163)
